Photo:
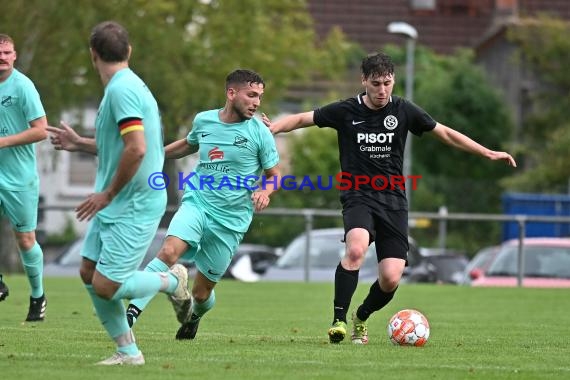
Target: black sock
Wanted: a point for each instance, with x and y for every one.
(132, 309)
(133, 313)
(345, 282)
(374, 301)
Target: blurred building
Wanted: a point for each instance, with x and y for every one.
(442, 25)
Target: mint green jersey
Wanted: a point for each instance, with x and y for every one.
(19, 104)
(232, 158)
(126, 97)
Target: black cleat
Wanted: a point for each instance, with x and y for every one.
(4, 292)
(37, 311)
(188, 329)
(133, 313)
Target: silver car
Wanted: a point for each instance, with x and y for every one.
(327, 248)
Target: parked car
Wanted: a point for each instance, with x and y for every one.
(251, 261)
(479, 264)
(327, 248)
(546, 263)
(438, 266)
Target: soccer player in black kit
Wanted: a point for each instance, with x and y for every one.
(372, 128)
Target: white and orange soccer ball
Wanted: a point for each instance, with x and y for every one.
(408, 328)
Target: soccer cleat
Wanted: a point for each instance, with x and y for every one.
(133, 313)
(4, 292)
(37, 310)
(359, 330)
(120, 358)
(337, 331)
(188, 329)
(181, 299)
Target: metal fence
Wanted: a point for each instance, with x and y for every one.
(442, 217)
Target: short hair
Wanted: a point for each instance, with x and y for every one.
(110, 41)
(6, 38)
(243, 76)
(379, 64)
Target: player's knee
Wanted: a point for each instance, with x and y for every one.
(26, 241)
(103, 291)
(389, 282)
(85, 275)
(168, 255)
(86, 271)
(355, 254)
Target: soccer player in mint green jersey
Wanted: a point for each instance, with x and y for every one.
(22, 123)
(124, 211)
(220, 195)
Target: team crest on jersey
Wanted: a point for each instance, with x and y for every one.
(6, 101)
(215, 154)
(240, 141)
(390, 122)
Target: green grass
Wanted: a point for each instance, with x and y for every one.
(278, 331)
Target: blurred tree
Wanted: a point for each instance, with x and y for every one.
(466, 102)
(545, 48)
(182, 49)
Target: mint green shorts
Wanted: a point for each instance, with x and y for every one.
(21, 208)
(212, 245)
(117, 248)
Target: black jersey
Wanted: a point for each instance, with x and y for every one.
(371, 144)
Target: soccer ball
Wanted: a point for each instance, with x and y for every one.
(408, 328)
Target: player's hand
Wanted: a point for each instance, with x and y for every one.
(266, 120)
(64, 138)
(495, 156)
(90, 207)
(260, 200)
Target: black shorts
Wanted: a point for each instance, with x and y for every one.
(387, 228)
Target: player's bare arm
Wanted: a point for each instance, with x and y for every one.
(36, 132)
(180, 148)
(260, 198)
(292, 122)
(129, 163)
(458, 140)
(65, 138)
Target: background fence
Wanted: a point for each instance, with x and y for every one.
(442, 218)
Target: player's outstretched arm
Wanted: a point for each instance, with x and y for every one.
(291, 122)
(65, 138)
(458, 140)
(180, 148)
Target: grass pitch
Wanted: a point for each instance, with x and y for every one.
(278, 331)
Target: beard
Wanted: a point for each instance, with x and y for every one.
(242, 114)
